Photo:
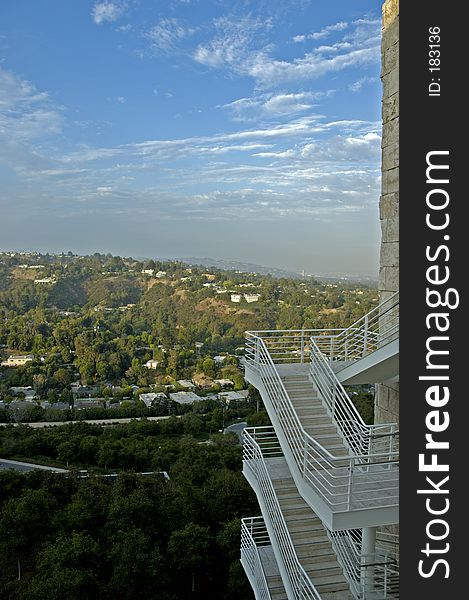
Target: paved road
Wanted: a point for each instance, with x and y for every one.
(41, 424)
(24, 467)
(237, 428)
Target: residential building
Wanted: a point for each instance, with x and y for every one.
(28, 392)
(152, 364)
(233, 396)
(326, 482)
(186, 384)
(202, 381)
(17, 361)
(223, 382)
(251, 297)
(235, 297)
(184, 397)
(151, 397)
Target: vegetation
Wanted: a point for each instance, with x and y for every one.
(100, 318)
(134, 536)
(114, 526)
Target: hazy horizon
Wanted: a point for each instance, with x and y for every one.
(247, 133)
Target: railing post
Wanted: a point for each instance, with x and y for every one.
(257, 353)
(302, 354)
(349, 490)
(333, 395)
(304, 454)
(365, 337)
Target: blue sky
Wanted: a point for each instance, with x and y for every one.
(242, 130)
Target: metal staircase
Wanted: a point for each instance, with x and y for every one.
(335, 470)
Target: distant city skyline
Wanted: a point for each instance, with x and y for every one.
(241, 131)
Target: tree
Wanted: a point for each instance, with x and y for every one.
(192, 423)
(191, 550)
(139, 569)
(67, 568)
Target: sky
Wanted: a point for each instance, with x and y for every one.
(245, 130)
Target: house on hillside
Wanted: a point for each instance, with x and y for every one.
(251, 297)
(152, 364)
(17, 361)
(186, 384)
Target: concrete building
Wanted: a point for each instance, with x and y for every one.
(326, 482)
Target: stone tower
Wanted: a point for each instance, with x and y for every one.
(387, 394)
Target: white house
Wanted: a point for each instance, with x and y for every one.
(152, 364)
(236, 297)
(252, 297)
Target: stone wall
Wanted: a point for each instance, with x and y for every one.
(387, 394)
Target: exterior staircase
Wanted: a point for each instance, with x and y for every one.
(321, 475)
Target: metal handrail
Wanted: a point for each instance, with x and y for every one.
(342, 482)
(253, 535)
(253, 458)
(381, 567)
(379, 439)
(374, 330)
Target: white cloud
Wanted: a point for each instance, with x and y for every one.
(233, 43)
(165, 36)
(272, 105)
(240, 47)
(357, 86)
(104, 190)
(121, 99)
(107, 11)
(28, 119)
(325, 32)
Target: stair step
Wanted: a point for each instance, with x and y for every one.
(335, 586)
(324, 556)
(320, 570)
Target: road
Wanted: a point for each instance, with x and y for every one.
(41, 424)
(237, 428)
(24, 467)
